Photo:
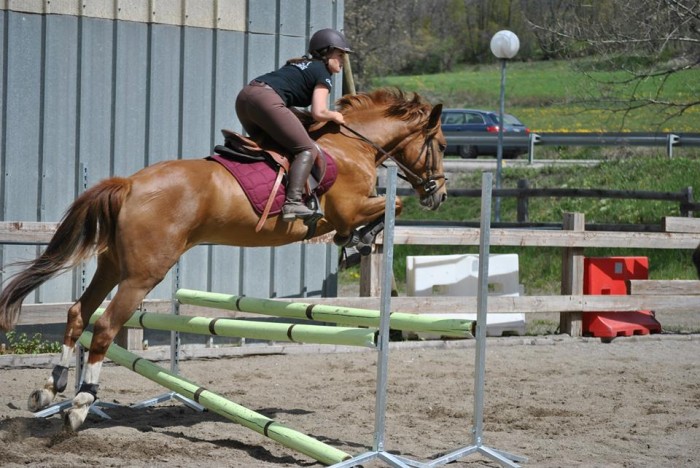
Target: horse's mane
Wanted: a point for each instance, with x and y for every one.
(400, 105)
(396, 104)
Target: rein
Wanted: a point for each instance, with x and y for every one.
(430, 185)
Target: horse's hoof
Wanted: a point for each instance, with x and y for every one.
(39, 399)
(340, 241)
(347, 241)
(364, 249)
(349, 258)
(76, 415)
(72, 420)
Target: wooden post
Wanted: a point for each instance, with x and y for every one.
(572, 275)
(370, 272)
(523, 202)
(686, 205)
(130, 338)
(348, 78)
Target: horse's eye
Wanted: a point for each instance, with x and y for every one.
(442, 147)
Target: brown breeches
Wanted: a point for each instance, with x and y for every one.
(262, 112)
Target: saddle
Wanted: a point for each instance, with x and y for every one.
(249, 161)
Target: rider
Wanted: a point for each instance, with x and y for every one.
(263, 107)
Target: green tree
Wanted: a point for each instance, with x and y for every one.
(428, 36)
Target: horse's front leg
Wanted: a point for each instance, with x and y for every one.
(371, 209)
(78, 319)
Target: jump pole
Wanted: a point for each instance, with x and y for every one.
(326, 313)
(290, 438)
(300, 333)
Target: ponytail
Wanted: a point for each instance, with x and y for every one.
(301, 59)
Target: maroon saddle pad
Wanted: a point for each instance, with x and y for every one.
(257, 178)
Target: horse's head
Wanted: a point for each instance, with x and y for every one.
(406, 129)
(420, 157)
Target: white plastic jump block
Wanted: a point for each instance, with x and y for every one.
(458, 275)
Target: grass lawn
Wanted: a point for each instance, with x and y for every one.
(553, 96)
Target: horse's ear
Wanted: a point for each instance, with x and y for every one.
(434, 119)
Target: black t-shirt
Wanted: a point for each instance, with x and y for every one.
(295, 82)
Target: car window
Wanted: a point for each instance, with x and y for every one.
(453, 119)
(475, 119)
(510, 120)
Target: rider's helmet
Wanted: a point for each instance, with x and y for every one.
(325, 40)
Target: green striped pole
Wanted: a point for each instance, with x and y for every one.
(299, 333)
(239, 414)
(326, 313)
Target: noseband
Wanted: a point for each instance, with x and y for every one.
(429, 185)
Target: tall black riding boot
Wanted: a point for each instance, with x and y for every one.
(299, 172)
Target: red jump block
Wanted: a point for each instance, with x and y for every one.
(614, 324)
(608, 275)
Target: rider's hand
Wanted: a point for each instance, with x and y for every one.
(339, 118)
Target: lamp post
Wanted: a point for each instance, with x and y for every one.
(504, 45)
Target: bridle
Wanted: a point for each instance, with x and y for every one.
(429, 185)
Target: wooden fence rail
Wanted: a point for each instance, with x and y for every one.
(570, 304)
(685, 299)
(572, 241)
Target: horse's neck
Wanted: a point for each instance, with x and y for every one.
(383, 132)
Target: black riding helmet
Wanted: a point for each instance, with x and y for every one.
(325, 40)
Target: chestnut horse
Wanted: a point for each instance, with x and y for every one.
(140, 225)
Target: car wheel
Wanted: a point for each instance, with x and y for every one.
(467, 152)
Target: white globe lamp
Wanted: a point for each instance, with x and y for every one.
(504, 45)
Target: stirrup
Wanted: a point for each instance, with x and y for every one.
(313, 218)
(315, 206)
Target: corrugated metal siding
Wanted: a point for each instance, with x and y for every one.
(86, 94)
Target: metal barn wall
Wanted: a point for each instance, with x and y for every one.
(102, 88)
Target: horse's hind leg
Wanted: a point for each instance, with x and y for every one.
(120, 308)
(106, 277)
(133, 287)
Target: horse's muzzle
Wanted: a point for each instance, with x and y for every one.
(433, 201)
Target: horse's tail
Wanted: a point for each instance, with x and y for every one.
(88, 227)
(696, 259)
